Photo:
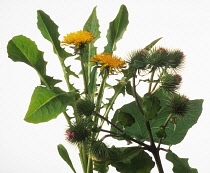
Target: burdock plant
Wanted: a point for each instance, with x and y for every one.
(153, 121)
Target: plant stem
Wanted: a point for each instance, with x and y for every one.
(142, 112)
(109, 122)
(85, 80)
(152, 148)
(166, 123)
(150, 83)
(90, 166)
(126, 137)
(101, 92)
(156, 155)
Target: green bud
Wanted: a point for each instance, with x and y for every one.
(164, 58)
(79, 132)
(99, 151)
(85, 106)
(161, 133)
(138, 60)
(175, 59)
(178, 105)
(170, 82)
(158, 58)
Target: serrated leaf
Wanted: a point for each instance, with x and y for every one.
(174, 136)
(69, 72)
(23, 49)
(116, 29)
(180, 165)
(65, 156)
(131, 159)
(118, 89)
(49, 31)
(91, 25)
(46, 105)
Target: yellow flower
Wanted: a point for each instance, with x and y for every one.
(113, 63)
(78, 38)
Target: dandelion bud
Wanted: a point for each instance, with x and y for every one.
(99, 151)
(85, 106)
(178, 105)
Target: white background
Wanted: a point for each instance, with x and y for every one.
(183, 24)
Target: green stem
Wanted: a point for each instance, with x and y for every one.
(142, 112)
(101, 92)
(90, 166)
(85, 80)
(66, 76)
(166, 123)
(82, 159)
(151, 79)
(67, 118)
(44, 81)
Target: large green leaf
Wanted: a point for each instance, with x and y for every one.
(23, 49)
(131, 159)
(91, 25)
(65, 156)
(116, 29)
(46, 105)
(181, 165)
(174, 134)
(49, 31)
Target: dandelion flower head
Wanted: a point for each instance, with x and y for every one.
(78, 38)
(112, 62)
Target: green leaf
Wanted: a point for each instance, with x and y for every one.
(91, 25)
(116, 29)
(118, 89)
(23, 49)
(49, 31)
(174, 136)
(151, 106)
(148, 47)
(46, 105)
(131, 159)
(65, 156)
(101, 166)
(181, 165)
(125, 119)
